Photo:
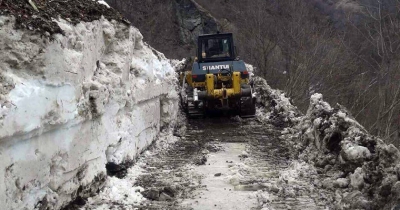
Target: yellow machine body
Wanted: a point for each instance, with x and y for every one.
(218, 79)
(222, 92)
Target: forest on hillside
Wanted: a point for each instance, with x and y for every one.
(348, 52)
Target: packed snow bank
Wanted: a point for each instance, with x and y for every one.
(361, 169)
(71, 103)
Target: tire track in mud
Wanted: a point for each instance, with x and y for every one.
(226, 164)
(262, 177)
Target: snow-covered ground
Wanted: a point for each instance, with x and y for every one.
(71, 103)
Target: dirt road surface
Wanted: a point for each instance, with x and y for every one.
(222, 163)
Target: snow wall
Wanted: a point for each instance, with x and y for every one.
(72, 103)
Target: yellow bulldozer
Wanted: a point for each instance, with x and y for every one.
(218, 79)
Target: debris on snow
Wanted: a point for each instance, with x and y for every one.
(71, 104)
(279, 110)
(244, 155)
(41, 19)
(361, 169)
(121, 191)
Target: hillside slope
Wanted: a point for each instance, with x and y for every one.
(169, 26)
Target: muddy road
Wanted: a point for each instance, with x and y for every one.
(221, 163)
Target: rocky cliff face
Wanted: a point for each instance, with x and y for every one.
(193, 21)
(170, 26)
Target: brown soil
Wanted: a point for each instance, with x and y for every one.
(41, 21)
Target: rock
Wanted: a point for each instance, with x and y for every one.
(322, 162)
(244, 155)
(170, 191)
(396, 207)
(205, 151)
(200, 160)
(164, 194)
(118, 170)
(357, 178)
(389, 155)
(193, 21)
(327, 183)
(165, 197)
(386, 186)
(396, 189)
(151, 194)
(356, 200)
(237, 118)
(355, 153)
(341, 183)
(274, 189)
(328, 167)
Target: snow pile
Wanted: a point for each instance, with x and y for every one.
(251, 69)
(71, 103)
(121, 191)
(279, 110)
(360, 168)
(296, 185)
(103, 3)
(127, 192)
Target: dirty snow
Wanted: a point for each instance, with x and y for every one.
(72, 104)
(325, 167)
(277, 104)
(120, 191)
(359, 167)
(125, 191)
(103, 3)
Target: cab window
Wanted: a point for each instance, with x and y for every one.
(215, 48)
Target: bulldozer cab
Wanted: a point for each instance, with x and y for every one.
(216, 47)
